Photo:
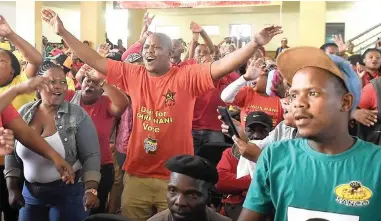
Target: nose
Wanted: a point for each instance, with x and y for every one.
(180, 200)
(150, 50)
(300, 101)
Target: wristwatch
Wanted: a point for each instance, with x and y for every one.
(93, 191)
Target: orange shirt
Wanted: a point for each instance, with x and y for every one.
(249, 101)
(163, 111)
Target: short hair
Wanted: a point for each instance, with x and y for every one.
(326, 45)
(340, 87)
(46, 66)
(14, 62)
(370, 50)
(116, 56)
(164, 39)
(356, 58)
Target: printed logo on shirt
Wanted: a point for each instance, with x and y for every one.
(169, 98)
(353, 194)
(298, 214)
(150, 145)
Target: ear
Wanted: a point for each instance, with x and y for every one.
(347, 102)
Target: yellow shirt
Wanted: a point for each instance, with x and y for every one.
(5, 46)
(21, 99)
(70, 83)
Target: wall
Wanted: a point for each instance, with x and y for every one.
(8, 10)
(116, 24)
(70, 16)
(256, 16)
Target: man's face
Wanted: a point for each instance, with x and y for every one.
(155, 54)
(256, 132)
(350, 48)
(177, 48)
(372, 60)
(216, 54)
(44, 41)
(331, 50)
(315, 103)
(202, 54)
(186, 197)
(284, 43)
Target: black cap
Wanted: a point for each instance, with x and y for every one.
(116, 56)
(326, 45)
(259, 117)
(193, 166)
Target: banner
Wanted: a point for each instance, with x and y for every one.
(184, 4)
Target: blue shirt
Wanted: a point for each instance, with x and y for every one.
(303, 184)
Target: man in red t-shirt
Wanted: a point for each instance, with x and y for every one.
(162, 101)
(372, 60)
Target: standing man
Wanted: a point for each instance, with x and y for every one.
(163, 100)
(283, 47)
(325, 174)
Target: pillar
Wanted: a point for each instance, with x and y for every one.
(312, 20)
(93, 22)
(29, 22)
(135, 24)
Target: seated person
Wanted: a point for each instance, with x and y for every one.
(189, 190)
(258, 126)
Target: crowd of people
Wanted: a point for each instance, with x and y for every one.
(134, 134)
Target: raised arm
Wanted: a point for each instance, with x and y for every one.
(85, 53)
(31, 54)
(233, 61)
(196, 28)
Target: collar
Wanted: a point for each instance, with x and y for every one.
(64, 107)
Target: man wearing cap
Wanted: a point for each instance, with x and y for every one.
(258, 126)
(325, 173)
(189, 190)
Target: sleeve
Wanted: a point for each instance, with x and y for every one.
(123, 74)
(135, 48)
(228, 182)
(258, 197)
(196, 78)
(9, 114)
(229, 94)
(88, 149)
(12, 167)
(368, 98)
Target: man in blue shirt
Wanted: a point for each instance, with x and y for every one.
(326, 174)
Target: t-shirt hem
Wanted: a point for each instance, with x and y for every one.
(256, 209)
(144, 175)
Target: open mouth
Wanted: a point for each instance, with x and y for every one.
(150, 59)
(57, 94)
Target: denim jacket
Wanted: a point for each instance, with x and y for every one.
(78, 135)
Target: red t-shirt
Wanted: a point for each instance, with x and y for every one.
(103, 122)
(249, 101)
(7, 116)
(163, 111)
(368, 98)
(205, 115)
(369, 76)
(182, 63)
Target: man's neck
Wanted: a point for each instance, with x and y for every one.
(199, 217)
(175, 60)
(333, 144)
(159, 73)
(371, 70)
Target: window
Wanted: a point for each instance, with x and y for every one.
(242, 30)
(212, 30)
(172, 31)
(334, 29)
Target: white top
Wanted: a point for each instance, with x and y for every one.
(38, 169)
(230, 92)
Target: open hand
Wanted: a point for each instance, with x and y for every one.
(264, 36)
(365, 117)
(338, 39)
(254, 69)
(7, 141)
(50, 17)
(148, 20)
(5, 29)
(36, 83)
(196, 28)
(360, 70)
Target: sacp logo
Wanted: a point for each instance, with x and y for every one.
(353, 194)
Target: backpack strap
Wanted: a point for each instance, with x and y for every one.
(376, 83)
